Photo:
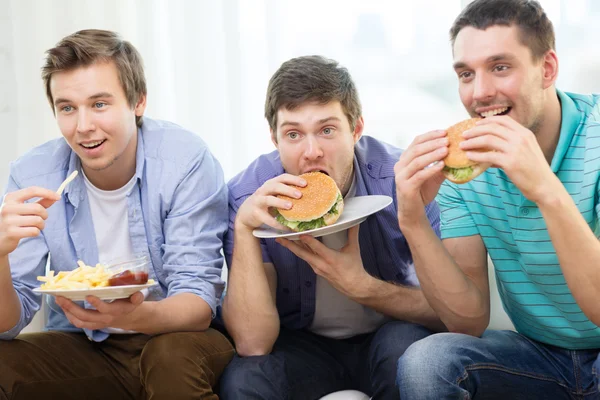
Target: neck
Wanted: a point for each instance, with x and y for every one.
(346, 186)
(548, 132)
(117, 174)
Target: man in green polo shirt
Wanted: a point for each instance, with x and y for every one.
(535, 212)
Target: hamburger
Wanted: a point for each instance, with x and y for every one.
(321, 204)
(458, 168)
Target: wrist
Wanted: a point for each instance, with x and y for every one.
(552, 195)
(363, 289)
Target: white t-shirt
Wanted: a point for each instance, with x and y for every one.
(111, 222)
(337, 316)
(111, 225)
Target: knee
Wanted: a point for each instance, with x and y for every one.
(175, 353)
(431, 358)
(392, 340)
(245, 373)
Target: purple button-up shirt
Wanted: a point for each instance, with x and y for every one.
(384, 250)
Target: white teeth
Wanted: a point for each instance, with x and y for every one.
(92, 144)
(493, 112)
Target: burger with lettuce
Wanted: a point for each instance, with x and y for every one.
(321, 204)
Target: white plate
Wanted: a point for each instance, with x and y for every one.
(356, 210)
(103, 293)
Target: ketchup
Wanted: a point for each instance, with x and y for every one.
(128, 278)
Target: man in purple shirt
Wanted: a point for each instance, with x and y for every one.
(317, 316)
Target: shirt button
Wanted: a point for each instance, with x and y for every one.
(369, 167)
(308, 283)
(524, 211)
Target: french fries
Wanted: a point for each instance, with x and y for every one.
(83, 277)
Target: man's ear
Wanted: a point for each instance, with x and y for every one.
(274, 138)
(140, 107)
(550, 69)
(358, 129)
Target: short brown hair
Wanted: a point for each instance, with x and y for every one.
(307, 79)
(87, 47)
(536, 29)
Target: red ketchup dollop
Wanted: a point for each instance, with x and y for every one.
(128, 278)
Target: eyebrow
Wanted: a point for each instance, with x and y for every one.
(490, 59)
(319, 122)
(92, 97)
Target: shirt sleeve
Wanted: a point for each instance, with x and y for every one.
(27, 262)
(234, 205)
(455, 217)
(597, 209)
(194, 230)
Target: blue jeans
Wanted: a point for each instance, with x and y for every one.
(306, 366)
(499, 365)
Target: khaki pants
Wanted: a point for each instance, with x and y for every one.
(60, 365)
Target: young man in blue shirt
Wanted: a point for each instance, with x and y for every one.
(145, 188)
(312, 318)
(535, 213)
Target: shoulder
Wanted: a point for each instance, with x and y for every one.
(377, 157)
(265, 167)
(167, 141)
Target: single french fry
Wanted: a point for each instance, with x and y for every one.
(63, 185)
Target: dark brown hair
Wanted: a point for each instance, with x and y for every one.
(308, 79)
(536, 29)
(87, 47)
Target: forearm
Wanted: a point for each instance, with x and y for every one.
(399, 302)
(577, 248)
(249, 309)
(184, 312)
(10, 312)
(457, 301)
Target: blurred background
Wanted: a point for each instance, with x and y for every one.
(208, 62)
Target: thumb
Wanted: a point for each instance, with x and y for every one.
(137, 298)
(353, 238)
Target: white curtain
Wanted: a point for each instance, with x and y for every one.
(192, 60)
(208, 62)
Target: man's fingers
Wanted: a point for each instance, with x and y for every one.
(17, 209)
(21, 196)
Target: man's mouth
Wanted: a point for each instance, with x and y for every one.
(93, 145)
(496, 111)
(316, 170)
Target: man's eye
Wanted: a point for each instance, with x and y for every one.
(464, 75)
(99, 104)
(293, 135)
(327, 131)
(67, 109)
(500, 68)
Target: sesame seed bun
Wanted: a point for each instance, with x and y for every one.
(318, 196)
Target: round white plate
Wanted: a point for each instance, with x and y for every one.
(356, 210)
(103, 293)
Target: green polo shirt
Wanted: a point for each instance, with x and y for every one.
(532, 287)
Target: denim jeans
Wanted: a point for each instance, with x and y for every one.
(306, 366)
(499, 365)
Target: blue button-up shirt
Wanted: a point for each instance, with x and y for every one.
(177, 212)
(384, 250)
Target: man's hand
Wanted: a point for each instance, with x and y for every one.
(343, 269)
(418, 179)
(106, 315)
(256, 210)
(19, 219)
(515, 149)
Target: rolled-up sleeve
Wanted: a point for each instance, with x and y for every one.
(194, 230)
(27, 262)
